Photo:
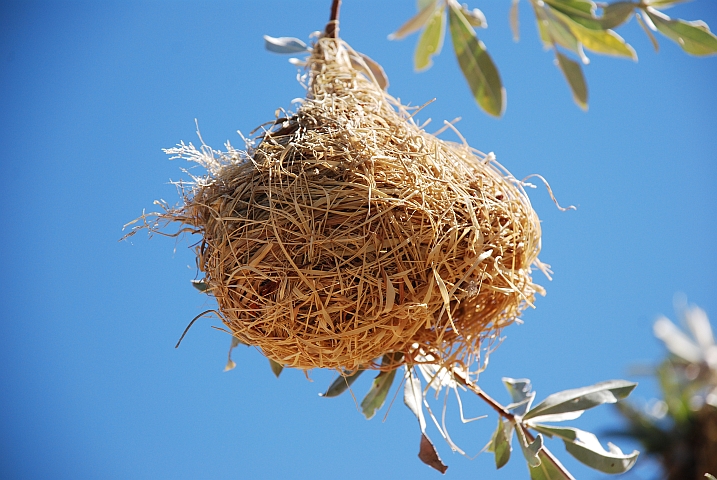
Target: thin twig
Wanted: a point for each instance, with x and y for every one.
(503, 412)
(332, 28)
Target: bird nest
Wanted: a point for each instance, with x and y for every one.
(346, 232)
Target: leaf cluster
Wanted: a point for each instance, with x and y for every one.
(567, 27)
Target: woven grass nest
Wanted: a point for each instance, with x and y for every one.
(346, 232)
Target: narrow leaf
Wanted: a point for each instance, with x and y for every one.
(530, 450)
(500, 443)
(549, 469)
(556, 31)
(475, 17)
(276, 368)
(477, 66)
(648, 32)
(372, 69)
(284, 45)
(428, 455)
(520, 394)
(376, 396)
(573, 73)
(431, 41)
(710, 477)
(341, 384)
(413, 397)
(514, 19)
(601, 41)
(664, 3)
(615, 14)
(579, 11)
(230, 363)
(676, 341)
(582, 398)
(586, 447)
(414, 23)
(694, 37)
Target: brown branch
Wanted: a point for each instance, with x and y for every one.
(503, 412)
(332, 28)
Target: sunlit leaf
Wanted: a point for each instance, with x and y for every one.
(200, 285)
(615, 14)
(664, 3)
(573, 73)
(676, 341)
(475, 17)
(694, 37)
(648, 32)
(341, 384)
(549, 469)
(276, 368)
(710, 477)
(431, 40)
(601, 41)
(284, 45)
(514, 18)
(579, 11)
(230, 363)
(413, 397)
(477, 66)
(586, 447)
(582, 398)
(364, 63)
(428, 455)
(500, 443)
(415, 23)
(520, 394)
(530, 449)
(556, 31)
(376, 396)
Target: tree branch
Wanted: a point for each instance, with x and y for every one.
(332, 28)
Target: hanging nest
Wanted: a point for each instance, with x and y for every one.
(347, 232)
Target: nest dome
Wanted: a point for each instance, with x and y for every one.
(347, 232)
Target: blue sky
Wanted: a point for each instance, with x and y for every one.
(90, 383)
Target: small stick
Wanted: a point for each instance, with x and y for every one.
(332, 28)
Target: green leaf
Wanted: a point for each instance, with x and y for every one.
(284, 45)
(416, 22)
(376, 396)
(553, 30)
(341, 384)
(648, 32)
(428, 455)
(530, 449)
(549, 469)
(200, 285)
(582, 398)
(710, 477)
(573, 73)
(475, 17)
(615, 14)
(664, 3)
(520, 394)
(477, 66)
(601, 41)
(276, 368)
(579, 11)
(695, 37)
(500, 443)
(514, 18)
(430, 41)
(586, 447)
